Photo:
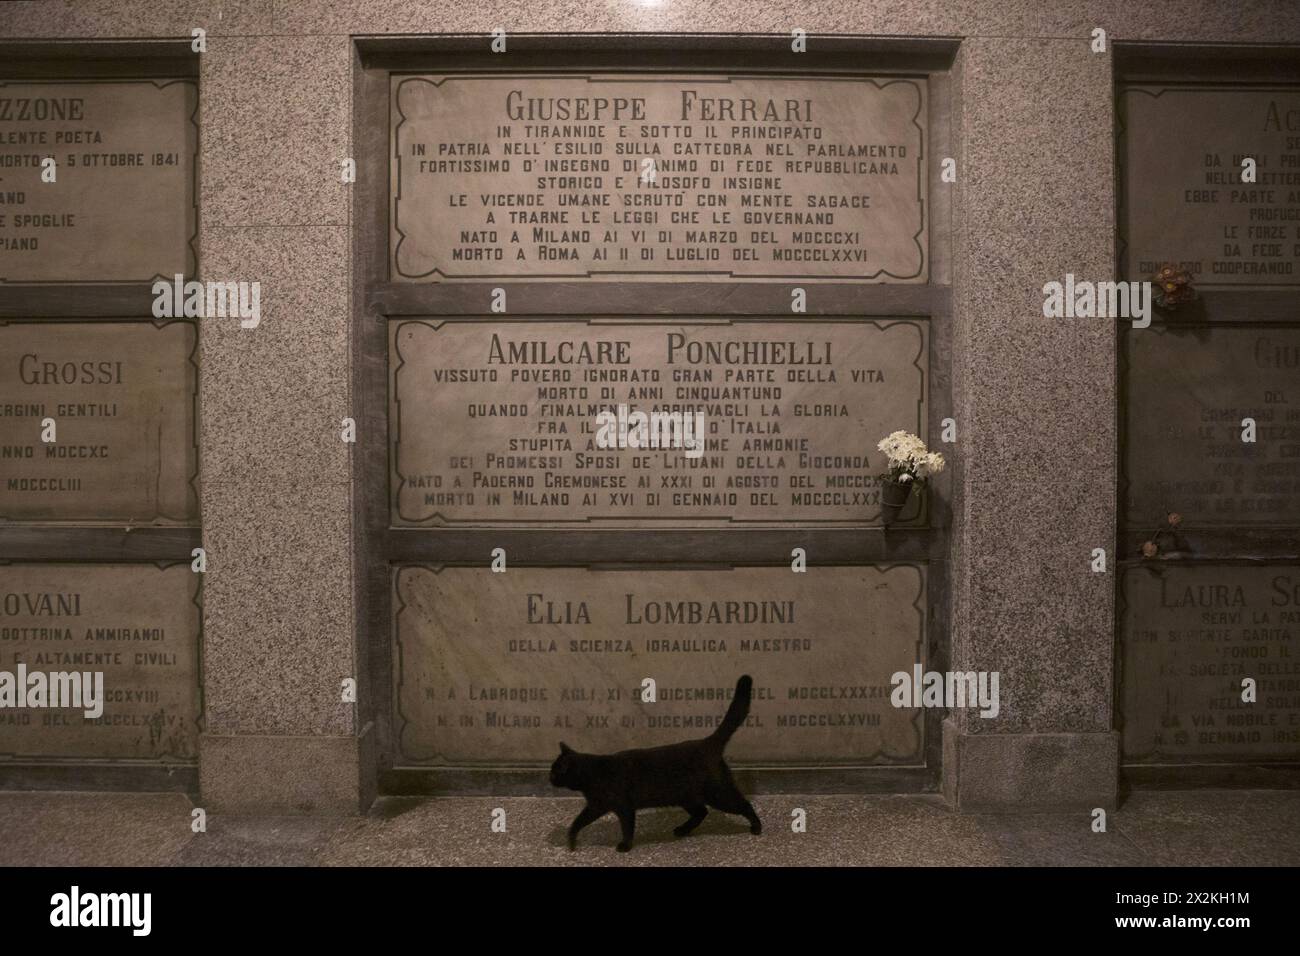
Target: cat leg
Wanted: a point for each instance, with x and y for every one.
(589, 814)
(628, 819)
(731, 800)
(698, 812)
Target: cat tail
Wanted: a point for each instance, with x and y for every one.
(737, 712)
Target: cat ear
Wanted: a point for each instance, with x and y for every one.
(565, 748)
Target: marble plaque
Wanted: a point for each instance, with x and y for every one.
(122, 397)
(1187, 394)
(137, 625)
(651, 176)
(1188, 637)
(121, 205)
(495, 669)
(1183, 196)
(498, 422)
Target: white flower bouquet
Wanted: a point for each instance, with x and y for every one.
(910, 464)
(909, 460)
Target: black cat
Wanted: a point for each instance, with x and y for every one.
(691, 775)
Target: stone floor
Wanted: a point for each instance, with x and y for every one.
(1202, 828)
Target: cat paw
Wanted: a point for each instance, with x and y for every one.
(756, 828)
(681, 830)
(623, 847)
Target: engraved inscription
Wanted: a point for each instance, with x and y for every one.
(121, 206)
(1188, 392)
(1184, 197)
(122, 398)
(1189, 635)
(497, 668)
(498, 422)
(137, 624)
(655, 176)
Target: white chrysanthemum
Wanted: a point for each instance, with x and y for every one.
(909, 459)
(903, 449)
(933, 463)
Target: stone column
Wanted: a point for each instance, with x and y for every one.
(1036, 407)
(279, 628)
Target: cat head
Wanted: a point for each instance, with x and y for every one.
(565, 769)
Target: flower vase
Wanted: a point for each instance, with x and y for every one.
(893, 496)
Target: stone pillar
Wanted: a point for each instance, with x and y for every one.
(279, 619)
(1035, 406)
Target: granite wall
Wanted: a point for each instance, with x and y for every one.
(1035, 404)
